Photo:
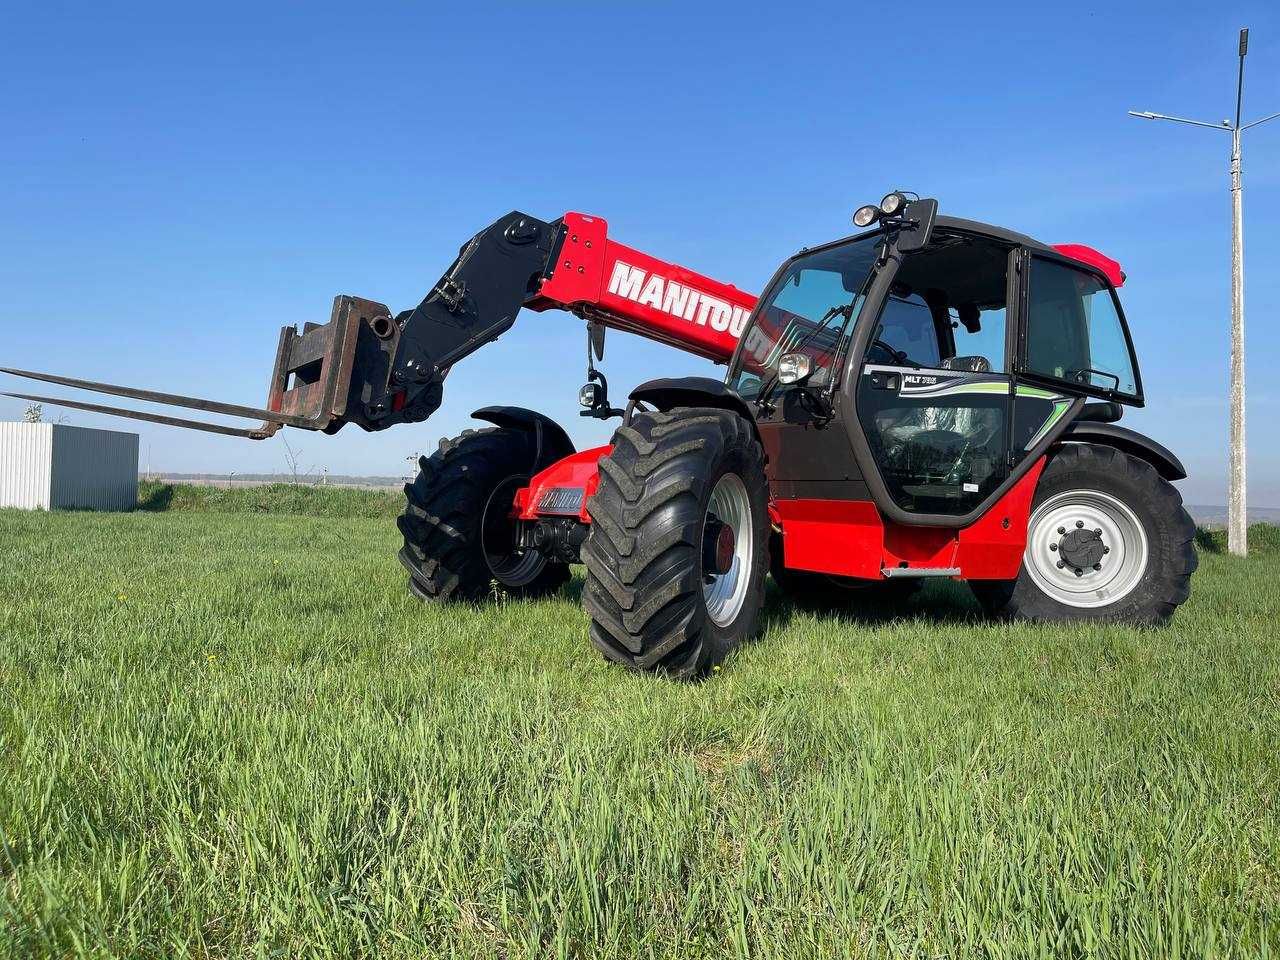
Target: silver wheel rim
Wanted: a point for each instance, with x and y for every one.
(726, 592)
(1118, 571)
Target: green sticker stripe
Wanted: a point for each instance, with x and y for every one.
(985, 387)
(1060, 407)
(959, 389)
(1037, 393)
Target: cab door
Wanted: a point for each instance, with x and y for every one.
(1073, 343)
(934, 391)
(811, 309)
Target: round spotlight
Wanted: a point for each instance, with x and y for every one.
(794, 367)
(866, 216)
(892, 203)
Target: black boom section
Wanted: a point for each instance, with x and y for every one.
(474, 303)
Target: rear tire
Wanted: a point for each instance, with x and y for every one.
(1113, 518)
(663, 490)
(458, 537)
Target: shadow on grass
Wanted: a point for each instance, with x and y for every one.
(938, 603)
(157, 499)
(934, 602)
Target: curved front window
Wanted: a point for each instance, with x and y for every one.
(810, 309)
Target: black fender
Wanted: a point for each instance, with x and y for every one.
(1130, 442)
(671, 392)
(552, 442)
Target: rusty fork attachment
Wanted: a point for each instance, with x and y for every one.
(310, 385)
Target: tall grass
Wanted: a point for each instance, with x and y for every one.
(282, 498)
(238, 736)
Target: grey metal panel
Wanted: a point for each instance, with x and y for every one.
(26, 463)
(894, 572)
(94, 469)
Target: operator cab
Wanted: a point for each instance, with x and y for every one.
(934, 371)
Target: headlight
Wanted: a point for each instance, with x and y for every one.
(866, 216)
(892, 203)
(794, 367)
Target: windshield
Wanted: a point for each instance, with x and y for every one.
(811, 309)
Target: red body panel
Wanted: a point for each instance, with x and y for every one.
(629, 290)
(847, 538)
(577, 471)
(843, 537)
(850, 539)
(1099, 261)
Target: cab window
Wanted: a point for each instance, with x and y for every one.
(906, 334)
(947, 308)
(811, 309)
(1075, 332)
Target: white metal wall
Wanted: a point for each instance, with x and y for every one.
(26, 463)
(47, 466)
(93, 469)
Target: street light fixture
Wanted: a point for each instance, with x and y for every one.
(1237, 524)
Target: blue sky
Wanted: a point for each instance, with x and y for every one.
(181, 180)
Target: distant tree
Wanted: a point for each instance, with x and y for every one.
(292, 459)
(33, 414)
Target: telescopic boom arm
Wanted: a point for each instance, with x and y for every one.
(375, 369)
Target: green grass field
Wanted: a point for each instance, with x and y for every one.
(237, 735)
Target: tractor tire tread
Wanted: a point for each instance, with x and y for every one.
(443, 505)
(643, 590)
(1172, 557)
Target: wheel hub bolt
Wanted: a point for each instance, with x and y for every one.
(1097, 566)
(1079, 524)
(1106, 549)
(1079, 573)
(1061, 564)
(1062, 530)
(1053, 546)
(1097, 531)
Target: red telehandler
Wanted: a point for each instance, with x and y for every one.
(930, 397)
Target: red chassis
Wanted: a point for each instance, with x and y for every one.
(846, 538)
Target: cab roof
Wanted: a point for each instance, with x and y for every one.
(1090, 257)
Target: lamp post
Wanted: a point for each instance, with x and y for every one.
(1237, 524)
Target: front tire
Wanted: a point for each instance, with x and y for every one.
(1108, 540)
(459, 540)
(667, 588)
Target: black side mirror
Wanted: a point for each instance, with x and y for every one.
(917, 225)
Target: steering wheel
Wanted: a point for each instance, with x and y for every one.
(895, 356)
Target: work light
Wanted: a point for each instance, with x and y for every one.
(794, 367)
(866, 216)
(892, 203)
